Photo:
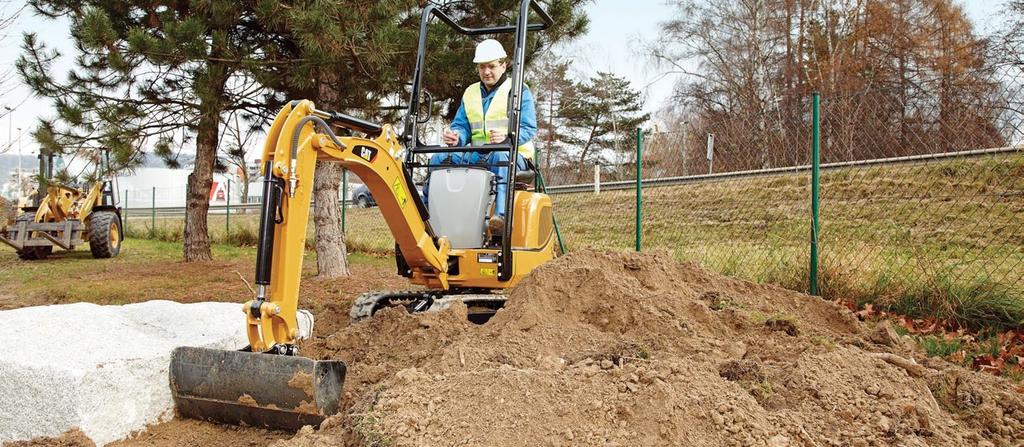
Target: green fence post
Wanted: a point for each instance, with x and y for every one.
(344, 197)
(639, 184)
(227, 210)
(152, 218)
(536, 167)
(124, 213)
(815, 161)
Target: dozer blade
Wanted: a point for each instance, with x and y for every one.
(261, 390)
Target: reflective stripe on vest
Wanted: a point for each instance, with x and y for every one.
(496, 118)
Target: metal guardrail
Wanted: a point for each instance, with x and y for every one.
(254, 208)
(680, 180)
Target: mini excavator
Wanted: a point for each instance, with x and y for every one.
(445, 248)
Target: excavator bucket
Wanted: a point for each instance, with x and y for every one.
(260, 390)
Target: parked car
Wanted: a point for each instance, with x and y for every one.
(362, 198)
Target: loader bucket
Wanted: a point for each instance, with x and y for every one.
(260, 390)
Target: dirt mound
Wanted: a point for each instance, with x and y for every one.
(195, 433)
(624, 349)
(70, 438)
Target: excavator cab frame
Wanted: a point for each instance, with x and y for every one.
(415, 147)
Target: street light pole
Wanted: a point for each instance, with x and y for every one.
(19, 157)
(10, 139)
(10, 123)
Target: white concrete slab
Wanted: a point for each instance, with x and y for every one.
(102, 369)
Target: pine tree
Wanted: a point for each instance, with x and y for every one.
(165, 73)
(553, 89)
(603, 119)
(161, 73)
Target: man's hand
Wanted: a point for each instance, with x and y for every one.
(497, 136)
(451, 138)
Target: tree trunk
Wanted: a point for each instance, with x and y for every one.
(331, 251)
(197, 192)
(245, 189)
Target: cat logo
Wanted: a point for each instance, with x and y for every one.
(365, 153)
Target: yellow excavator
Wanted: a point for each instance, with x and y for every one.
(444, 247)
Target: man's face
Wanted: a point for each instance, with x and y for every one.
(490, 72)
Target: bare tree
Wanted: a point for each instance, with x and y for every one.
(901, 77)
(236, 153)
(552, 89)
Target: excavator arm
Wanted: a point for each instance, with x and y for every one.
(288, 391)
(300, 136)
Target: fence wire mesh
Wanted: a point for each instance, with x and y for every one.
(922, 197)
(722, 207)
(939, 224)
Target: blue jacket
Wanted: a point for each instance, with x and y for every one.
(527, 116)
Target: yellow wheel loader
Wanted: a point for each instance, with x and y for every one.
(66, 217)
(445, 248)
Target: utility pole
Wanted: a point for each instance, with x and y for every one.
(685, 136)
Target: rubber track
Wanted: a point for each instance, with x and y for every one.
(364, 305)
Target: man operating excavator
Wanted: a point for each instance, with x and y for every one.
(482, 118)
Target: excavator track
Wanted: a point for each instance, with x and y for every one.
(481, 306)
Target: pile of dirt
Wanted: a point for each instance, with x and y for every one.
(70, 438)
(625, 349)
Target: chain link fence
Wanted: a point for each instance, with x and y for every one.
(921, 197)
(939, 223)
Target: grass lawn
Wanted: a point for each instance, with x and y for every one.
(145, 270)
(939, 239)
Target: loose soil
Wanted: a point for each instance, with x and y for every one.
(624, 349)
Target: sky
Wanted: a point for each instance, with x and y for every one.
(618, 31)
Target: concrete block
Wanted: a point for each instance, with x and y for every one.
(102, 369)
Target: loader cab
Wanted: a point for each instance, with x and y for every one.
(461, 197)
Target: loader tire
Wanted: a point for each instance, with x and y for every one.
(32, 253)
(104, 234)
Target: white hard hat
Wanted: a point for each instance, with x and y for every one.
(488, 50)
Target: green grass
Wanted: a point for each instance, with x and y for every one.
(937, 346)
(940, 239)
(74, 276)
(80, 260)
(366, 230)
(145, 269)
(367, 426)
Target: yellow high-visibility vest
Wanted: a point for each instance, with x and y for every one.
(496, 118)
